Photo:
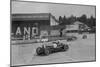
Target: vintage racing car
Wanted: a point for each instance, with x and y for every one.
(71, 38)
(48, 49)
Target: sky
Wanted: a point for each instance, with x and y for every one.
(55, 9)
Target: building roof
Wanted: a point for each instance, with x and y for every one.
(35, 16)
(31, 16)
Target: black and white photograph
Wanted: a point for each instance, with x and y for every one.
(52, 33)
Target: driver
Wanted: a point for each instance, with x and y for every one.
(54, 45)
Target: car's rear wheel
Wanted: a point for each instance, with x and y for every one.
(46, 51)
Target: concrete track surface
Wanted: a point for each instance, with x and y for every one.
(79, 50)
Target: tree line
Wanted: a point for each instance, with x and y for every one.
(90, 22)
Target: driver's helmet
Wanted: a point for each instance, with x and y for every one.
(54, 45)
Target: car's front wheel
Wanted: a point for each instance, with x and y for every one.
(38, 50)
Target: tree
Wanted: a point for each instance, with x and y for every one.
(92, 21)
(72, 19)
(64, 19)
(83, 18)
(60, 19)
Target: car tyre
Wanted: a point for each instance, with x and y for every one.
(38, 50)
(46, 51)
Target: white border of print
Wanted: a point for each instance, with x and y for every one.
(5, 33)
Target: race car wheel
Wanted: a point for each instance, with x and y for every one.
(84, 36)
(65, 47)
(46, 52)
(38, 50)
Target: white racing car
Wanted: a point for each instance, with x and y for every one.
(48, 49)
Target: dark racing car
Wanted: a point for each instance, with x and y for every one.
(54, 47)
(72, 38)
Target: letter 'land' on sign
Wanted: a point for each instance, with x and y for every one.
(27, 30)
